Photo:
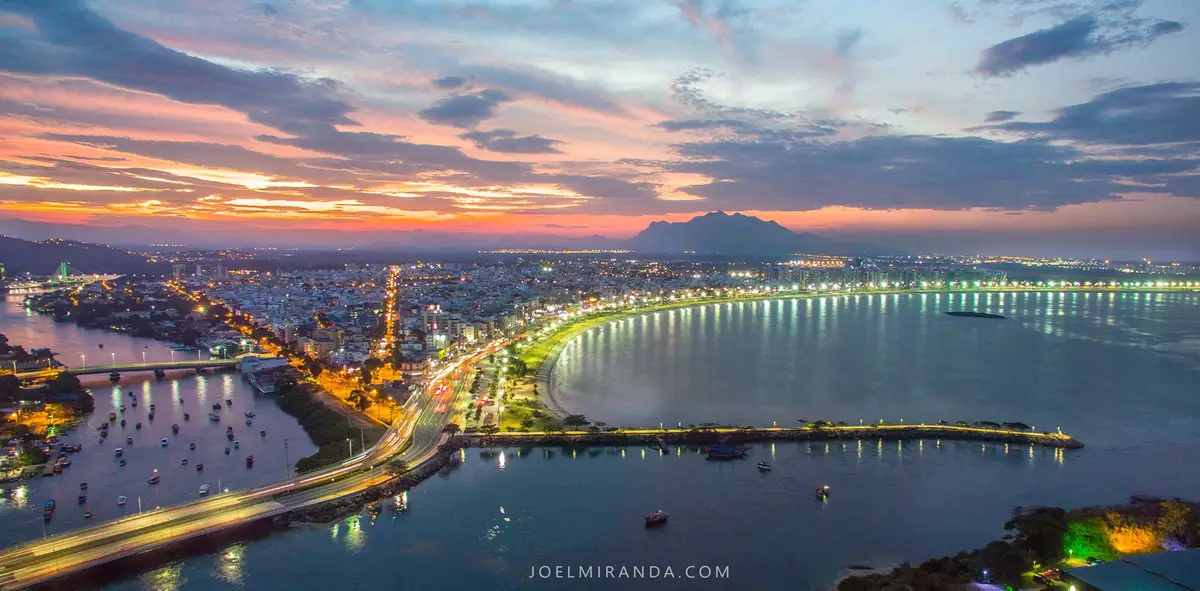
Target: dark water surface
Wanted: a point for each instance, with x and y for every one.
(21, 503)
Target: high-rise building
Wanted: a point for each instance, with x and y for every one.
(177, 271)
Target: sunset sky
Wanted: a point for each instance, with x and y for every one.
(1031, 125)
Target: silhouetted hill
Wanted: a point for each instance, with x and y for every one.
(42, 257)
(722, 233)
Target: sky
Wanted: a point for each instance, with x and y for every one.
(1007, 126)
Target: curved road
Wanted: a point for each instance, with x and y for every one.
(412, 439)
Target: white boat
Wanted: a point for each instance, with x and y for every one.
(117, 452)
(764, 467)
(203, 489)
(249, 413)
(121, 500)
(163, 442)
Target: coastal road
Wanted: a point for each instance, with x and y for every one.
(413, 438)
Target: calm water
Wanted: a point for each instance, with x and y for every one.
(1118, 371)
(21, 503)
(1111, 369)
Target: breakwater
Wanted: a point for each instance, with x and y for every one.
(708, 436)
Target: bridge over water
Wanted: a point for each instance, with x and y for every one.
(127, 368)
(64, 276)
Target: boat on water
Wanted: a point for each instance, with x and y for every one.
(200, 467)
(122, 422)
(656, 518)
(117, 452)
(50, 505)
(181, 348)
(138, 425)
(228, 402)
(87, 514)
(726, 452)
(82, 486)
(187, 417)
(764, 467)
(82, 498)
(237, 444)
(970, 314)
(134, 401)
(249, 414)
(122, 463)
(112, 416)
(121, 501)
(57, 468)
(212, 416)
(183, 462)
(160, 374)
(263, 433)
(129, 440)
(114, 377)
(249, 422)
(100, 345)
(249, 461)
(203, 489)
(150, 416)
(163, 442)
(227, 451)
(153, 478)
(65, 463)
(151, 407)
(175, 428)
(192, 445)
(121, 408)
(823, 492)
(216, 406)
(47, 514)
(229, 435)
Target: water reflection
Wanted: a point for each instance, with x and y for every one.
(228, 566)
(165, 578)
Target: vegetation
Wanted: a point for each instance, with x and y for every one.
(327, 429)
(1049, 537)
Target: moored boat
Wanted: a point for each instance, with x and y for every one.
(823, 492)
(203, 489)
(764, 467)
(726, 452)
(183, 462)
(163, 442)
(249, 461)
(175, 428)
(121, 501)
(212, 416)
(87, 514)
(114, 377)
(118, 452)
(200, 467)
(153, 478)
(656, 518)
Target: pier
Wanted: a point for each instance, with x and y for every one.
(711, 435)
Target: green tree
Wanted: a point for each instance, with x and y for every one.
(359, 399)
(575, 420)
(10, 386)
(1041, 533)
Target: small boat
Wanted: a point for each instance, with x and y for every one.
(726, 452)
(764, 467)
(122, 463)
(163, 442)
(237, 444)
(82, 486)
(212, 416)
(187, 417)
(216, 406)
(181, 401)
(117, 452)
(78, 447)
(150, 416)
(249, 422)
(183, 462)
(151, 407)
(263, 433)
(46, 514)
(160, 374)
(200, 467)
(153, 478)
(229, 429)
(203, 489)
(87, 514)
(114, 377)
(175, 428)
(121, 408)
(227, 451)
(121, 501)
(122, 422)
(133, 402)
(65, 463)
(129, 440)
(57, 468)
(130, 393)
(102, 427)
(229, 436)
(249, 414)
(138, 425)
(823, 492)
(101, 345)
(82, 498)
(50, 505)
(656, 518)
(228, 402)
(249, 461)
(112, 416)
(192, 445)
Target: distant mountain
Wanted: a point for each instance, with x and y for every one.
(737, 234)
(42, 258)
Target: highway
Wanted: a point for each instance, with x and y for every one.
(413, 439)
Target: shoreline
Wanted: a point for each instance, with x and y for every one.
(544, 379)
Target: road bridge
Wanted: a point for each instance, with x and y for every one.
(127, 368)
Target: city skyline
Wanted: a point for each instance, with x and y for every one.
(1043, 126)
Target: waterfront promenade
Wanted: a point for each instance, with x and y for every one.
(709, 435)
